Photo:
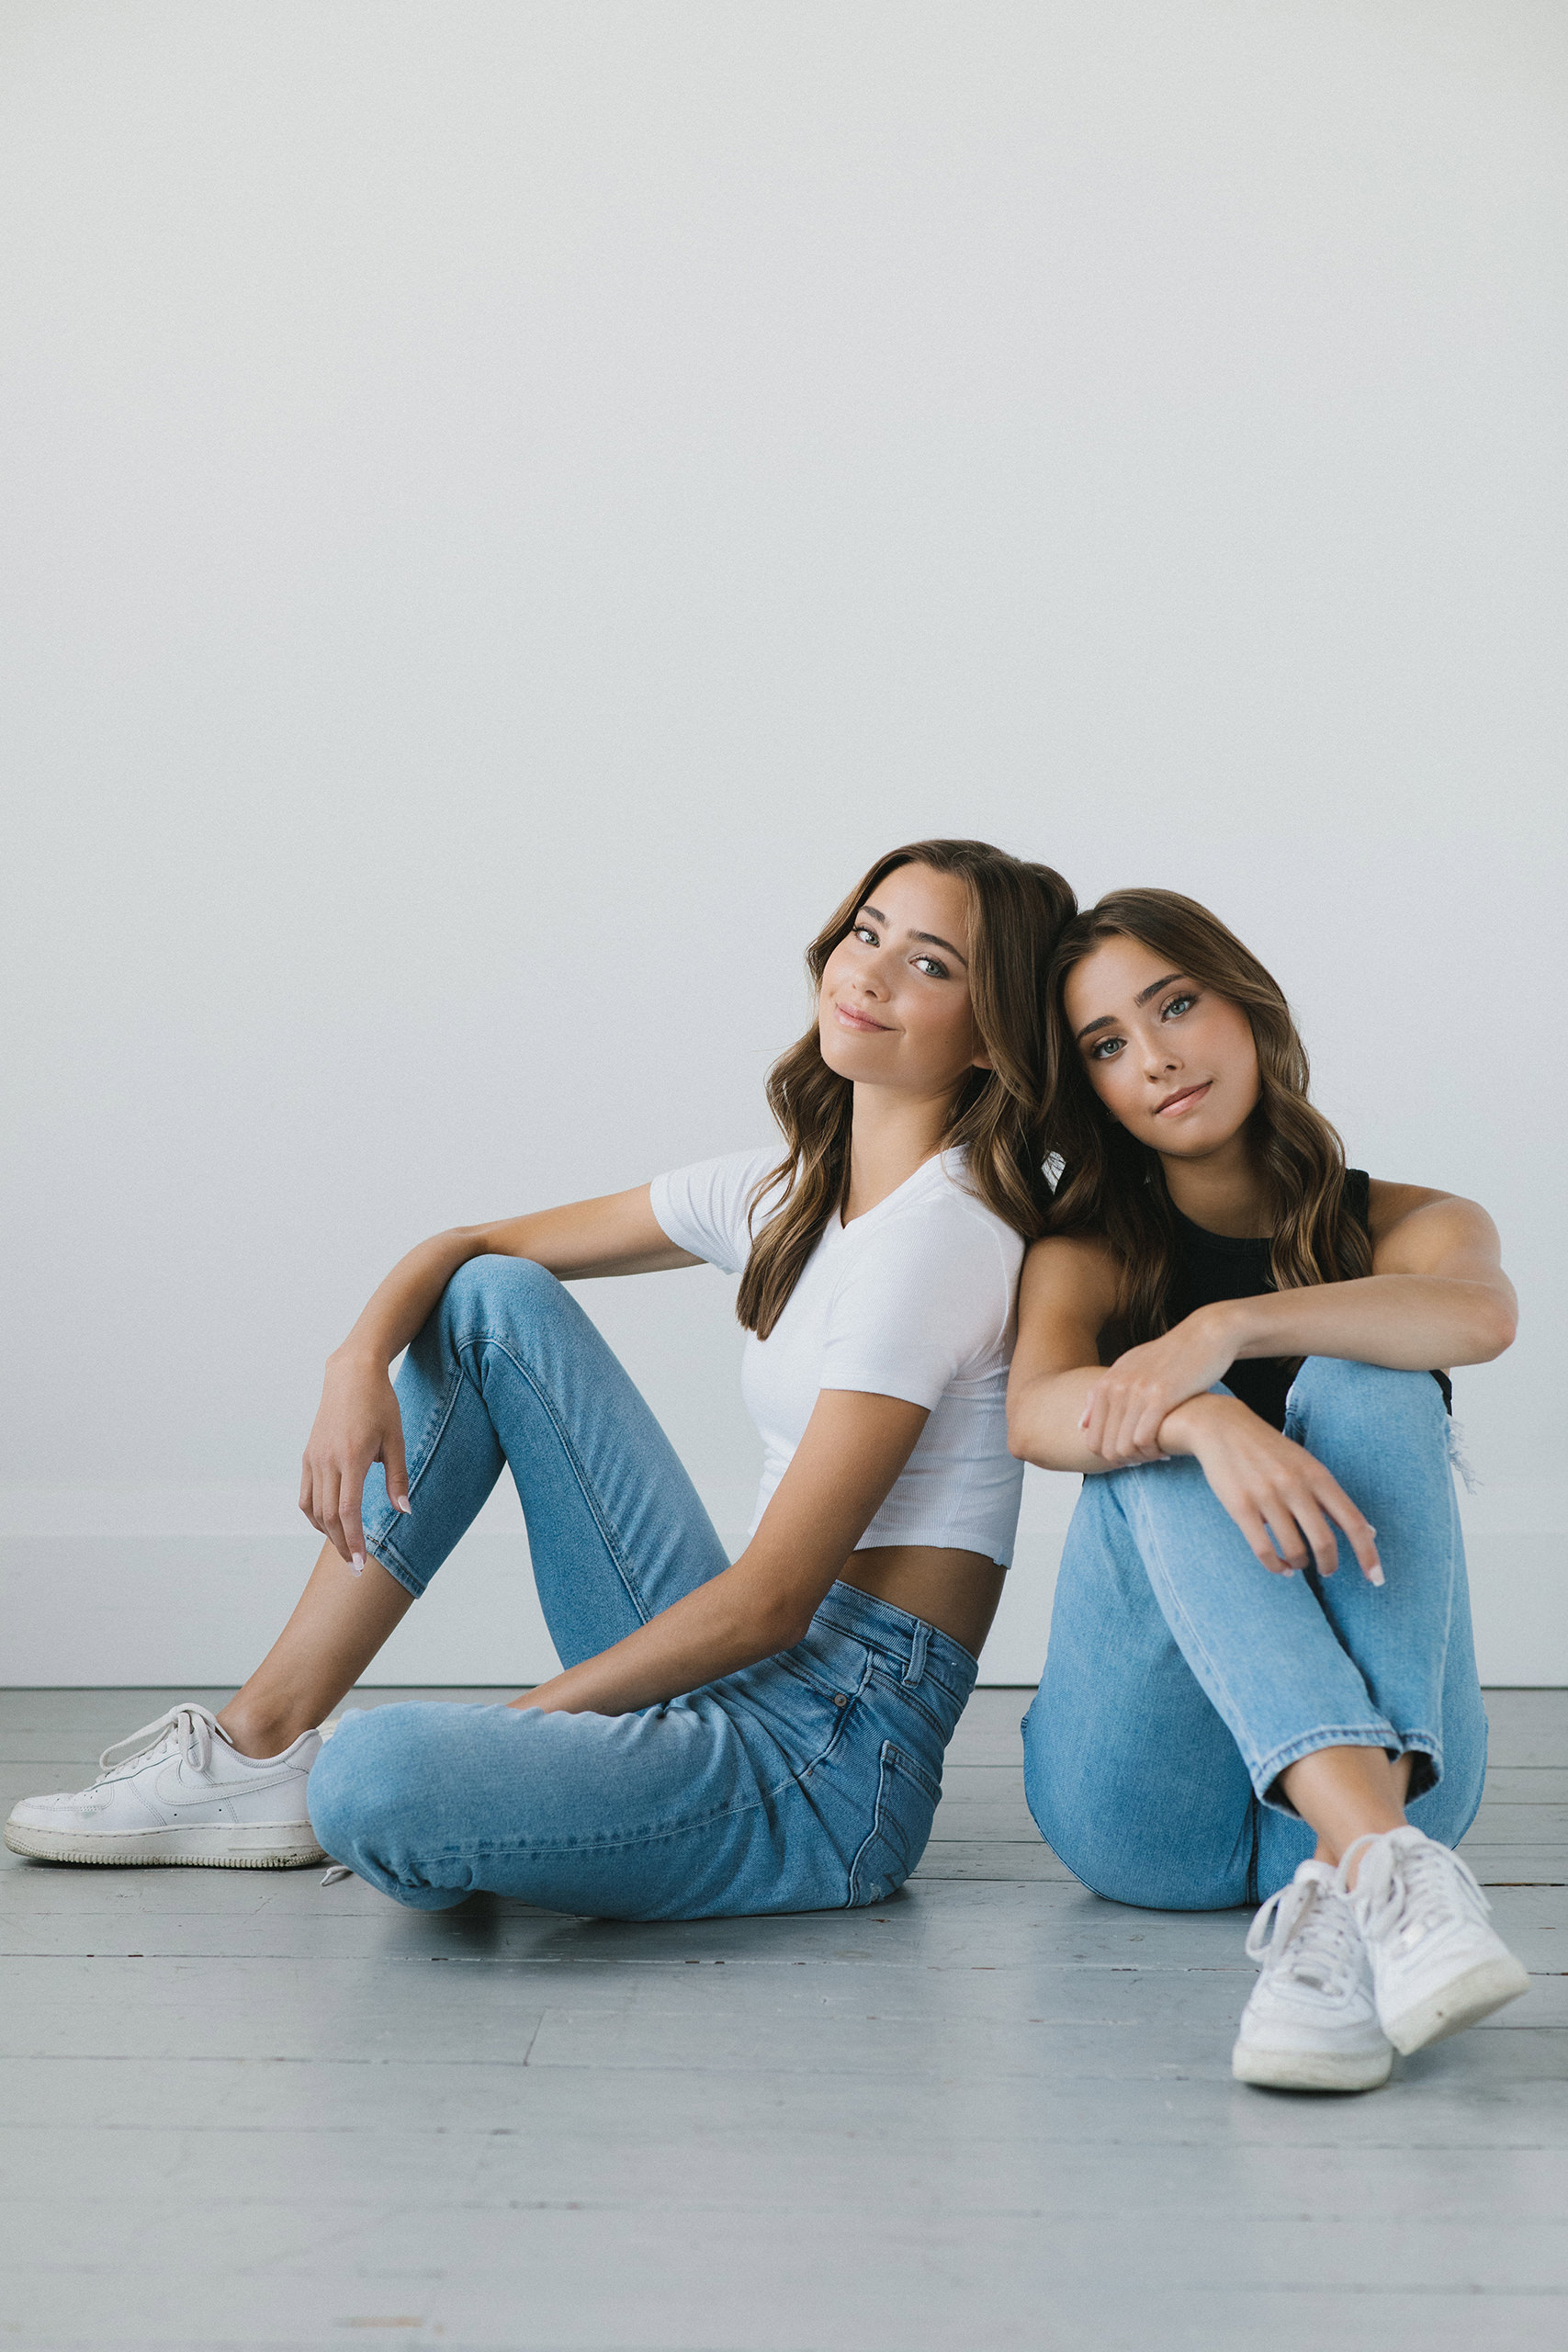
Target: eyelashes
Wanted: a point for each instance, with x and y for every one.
(929, 967)
(1106, 1049)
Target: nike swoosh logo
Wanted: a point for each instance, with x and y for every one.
(175, 1792)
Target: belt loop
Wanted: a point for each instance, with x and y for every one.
(916, 1665)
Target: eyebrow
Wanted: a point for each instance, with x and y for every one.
(930, 937)
(1108, 1020)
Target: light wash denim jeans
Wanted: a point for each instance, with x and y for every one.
(804, 1783)
(1183, 1677)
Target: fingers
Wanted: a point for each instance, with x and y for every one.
(1121, 1424)
(1260, 1540)
(396, 1468)
(350, 1495)
(1359, 1530)
(330, 1499)
(1318, 1535)
(1286, 1535)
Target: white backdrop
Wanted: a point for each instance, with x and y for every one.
(508, 508)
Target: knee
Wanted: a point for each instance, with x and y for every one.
(1097, 1819)
(491, 1291)
(365, 1786)
(1365, 1393)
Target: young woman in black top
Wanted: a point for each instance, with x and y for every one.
(1252, 1689)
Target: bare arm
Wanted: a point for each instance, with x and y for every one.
(1066, 1296)
(853, 1449)
(357, 1421)
(1285, 1503)
(1437, 1295)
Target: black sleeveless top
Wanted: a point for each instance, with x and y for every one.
(1211, 1266)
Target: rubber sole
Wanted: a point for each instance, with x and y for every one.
(248, 1846)
(1490, 1984)
(1311, 2069)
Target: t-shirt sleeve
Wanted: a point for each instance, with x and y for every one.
(703, 1208)
(926, 1302)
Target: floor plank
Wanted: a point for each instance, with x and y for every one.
(242, 2110)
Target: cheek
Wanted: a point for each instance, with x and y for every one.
(833, 970)
(1237, 1050)
(946, 1028)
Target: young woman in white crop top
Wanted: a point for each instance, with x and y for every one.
(765, 1736)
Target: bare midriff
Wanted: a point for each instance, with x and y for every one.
(955, 1591)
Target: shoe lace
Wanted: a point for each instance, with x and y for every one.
(1306, 1932)
(187, 1728)
(1405, 1890)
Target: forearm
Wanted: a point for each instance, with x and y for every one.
(726, 1625)
(402, 1305)
(1409, 1322)
(1044, 1417)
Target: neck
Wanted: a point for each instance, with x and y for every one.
(1222, 1192)
(890, 1136)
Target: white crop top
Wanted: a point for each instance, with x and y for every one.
(918, 1299)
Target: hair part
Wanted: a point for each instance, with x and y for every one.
(1113, 1187)
(1016, 910)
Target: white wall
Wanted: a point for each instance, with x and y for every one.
(507, 508)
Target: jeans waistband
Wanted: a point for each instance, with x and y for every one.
(914, 1649)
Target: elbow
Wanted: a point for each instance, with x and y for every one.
(784, 1627)
(775, 1621)
(1023, 1442)
(1499, 1329)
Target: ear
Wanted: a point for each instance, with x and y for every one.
(981, 1061)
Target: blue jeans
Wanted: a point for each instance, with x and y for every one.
(1183, 1677)
(804, 1783)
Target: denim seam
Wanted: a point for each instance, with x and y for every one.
(885, 1766)
(406, 1576)
(1340, 1735)
(386, 1556)
(612, 1539)
(1180, 1606)
(562, 1849)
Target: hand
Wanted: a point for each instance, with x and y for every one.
(1127, 1406)
(1280, 1496)
(358, 1422)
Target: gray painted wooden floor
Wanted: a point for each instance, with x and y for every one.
(242, 2110)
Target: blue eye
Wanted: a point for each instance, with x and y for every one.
(863, 931)
(1106, 1049)
(1178, 1004)
(928, 965)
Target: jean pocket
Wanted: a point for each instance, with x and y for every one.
(907, 1800)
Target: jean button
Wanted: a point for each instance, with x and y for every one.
(838, 1699)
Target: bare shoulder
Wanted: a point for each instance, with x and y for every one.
(1415, 1227)
(1067, 1296)
(1389, 1203)
(1075, 1268)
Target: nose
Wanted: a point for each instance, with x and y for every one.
(869, 977)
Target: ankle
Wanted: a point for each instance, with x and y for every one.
(259, 1733)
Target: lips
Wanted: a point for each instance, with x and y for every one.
(849, 1019)
(1182, 1100)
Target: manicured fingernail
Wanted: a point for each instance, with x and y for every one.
(404, 1503)
(359, 1564)
(1289, 1572)
(1374, 1575)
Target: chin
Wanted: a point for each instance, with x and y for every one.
(843, 1056)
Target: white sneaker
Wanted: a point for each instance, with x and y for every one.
(1437, 1965)
(178, 1790)
(1311, 2023)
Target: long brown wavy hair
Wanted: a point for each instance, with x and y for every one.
(1113, 1187)
(1016, 909)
